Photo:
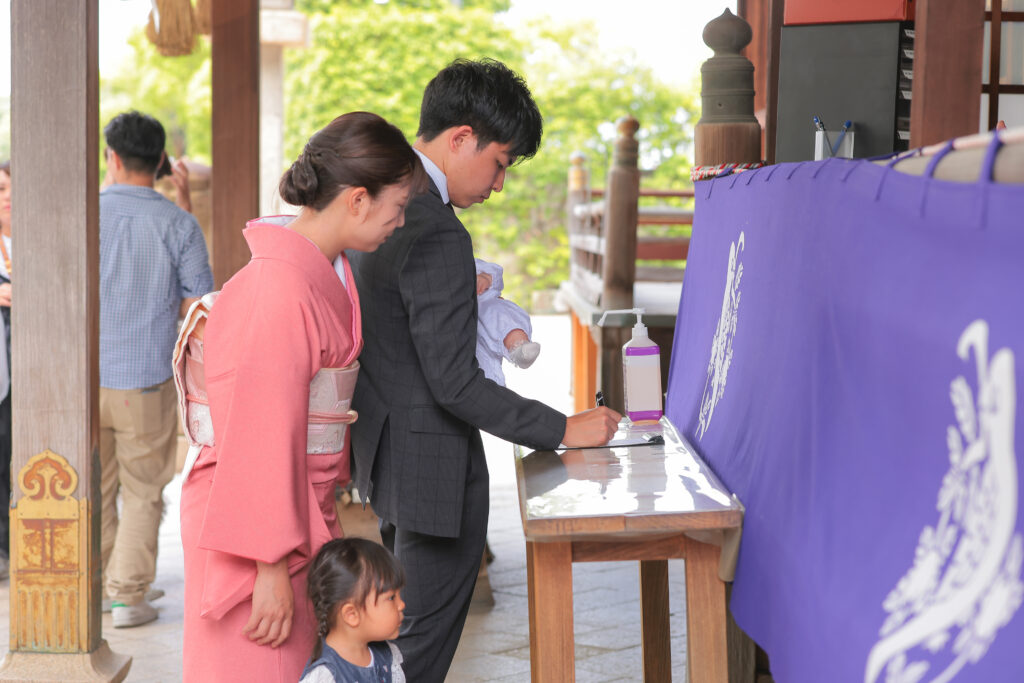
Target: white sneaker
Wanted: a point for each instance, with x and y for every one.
(126, 616)
(524, 354)
(151, 595)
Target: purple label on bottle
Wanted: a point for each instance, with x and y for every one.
(641, 350)
(641, 415)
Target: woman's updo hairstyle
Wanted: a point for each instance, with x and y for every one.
(358, 149)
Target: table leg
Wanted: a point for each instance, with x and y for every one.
(549, 579)
(707, 654)
(654, 611)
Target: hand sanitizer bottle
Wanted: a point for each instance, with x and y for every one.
(641, 372)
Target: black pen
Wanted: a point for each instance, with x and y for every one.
(599, 397)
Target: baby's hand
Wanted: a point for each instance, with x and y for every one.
(483, 283)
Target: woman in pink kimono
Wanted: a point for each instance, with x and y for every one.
(267, 424)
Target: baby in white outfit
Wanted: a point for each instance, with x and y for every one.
(504, 328)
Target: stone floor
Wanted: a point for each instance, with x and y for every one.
(495, 645)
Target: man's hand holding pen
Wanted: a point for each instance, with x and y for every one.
(594, 427)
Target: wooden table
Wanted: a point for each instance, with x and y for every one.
(641, 503)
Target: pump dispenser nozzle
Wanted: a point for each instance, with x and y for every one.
(635, 311)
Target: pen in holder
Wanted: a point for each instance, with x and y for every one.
(836, 144)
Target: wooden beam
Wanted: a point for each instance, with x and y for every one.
(757, 13)
(947, 70)
(236, 131)
(662, 248)
(772, 79)
(995, 19)
(55, 579)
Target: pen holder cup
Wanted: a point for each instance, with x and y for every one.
(822, 149)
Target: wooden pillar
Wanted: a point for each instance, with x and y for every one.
(727, 131)
(609, 369)
(280, 27)
(772, 79)
(948, 40)
(758, 13)
(55, 557)
(620, 217)
(236, 132)
(584, 365)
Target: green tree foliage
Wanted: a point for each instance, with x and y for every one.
(176, 90)
(379, 57)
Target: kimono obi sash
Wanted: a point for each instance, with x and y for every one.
(330, 394)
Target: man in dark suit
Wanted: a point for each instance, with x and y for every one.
(421, 397)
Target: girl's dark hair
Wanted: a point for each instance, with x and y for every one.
(6, 167)
(348, 570)
(490, 98)
(358, 149)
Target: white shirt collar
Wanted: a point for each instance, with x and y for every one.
(436, 174)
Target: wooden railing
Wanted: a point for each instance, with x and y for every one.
(602, 234)
(621, 256)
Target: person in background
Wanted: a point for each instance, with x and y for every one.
(422, 398)
(5, 368)
(354, 585)
(153, 265)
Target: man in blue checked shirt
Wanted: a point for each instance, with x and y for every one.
(153, 265)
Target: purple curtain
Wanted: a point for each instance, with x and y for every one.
(847, 359)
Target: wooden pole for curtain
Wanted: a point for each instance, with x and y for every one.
(964, 162)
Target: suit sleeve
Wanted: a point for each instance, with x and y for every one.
(437, 283)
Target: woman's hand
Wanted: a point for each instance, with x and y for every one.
(5, 294)
(273, 605)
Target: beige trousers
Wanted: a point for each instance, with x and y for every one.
(137, 456)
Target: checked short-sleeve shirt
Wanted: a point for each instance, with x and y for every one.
(152, 255)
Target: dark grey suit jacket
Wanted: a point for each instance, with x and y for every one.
(419, 378)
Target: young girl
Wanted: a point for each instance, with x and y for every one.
(354, 586)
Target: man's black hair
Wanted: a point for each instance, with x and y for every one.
(138, 139)
(487, 96)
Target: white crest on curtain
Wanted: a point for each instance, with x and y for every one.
(721, 344)
(965, 583)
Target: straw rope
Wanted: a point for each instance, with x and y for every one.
(171, 27)
(204, 16)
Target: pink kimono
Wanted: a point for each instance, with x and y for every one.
(257, 494)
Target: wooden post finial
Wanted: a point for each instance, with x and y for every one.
(728, 131)
(578, 174)
(626, 146)
(627, 126)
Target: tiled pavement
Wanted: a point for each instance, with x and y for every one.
(495, 644)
